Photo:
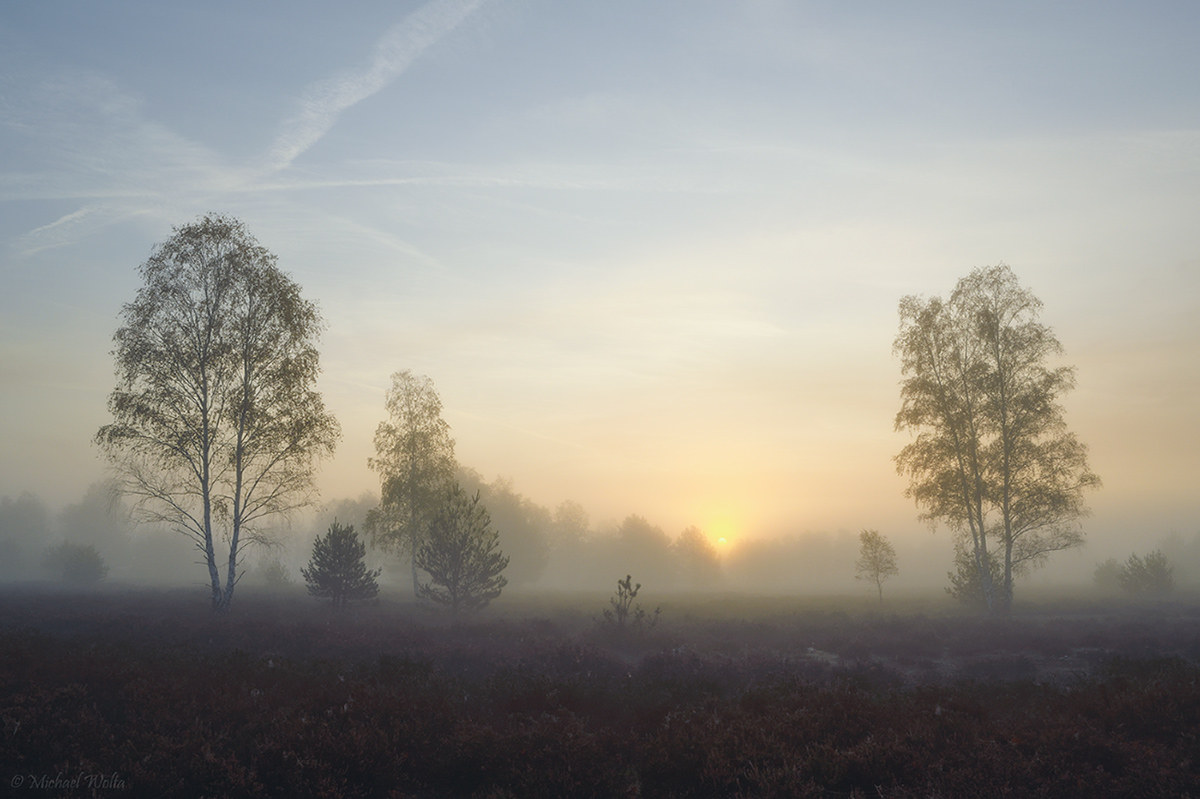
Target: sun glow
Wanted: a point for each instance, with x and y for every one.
(721, 532)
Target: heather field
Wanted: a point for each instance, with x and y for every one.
(143, 693)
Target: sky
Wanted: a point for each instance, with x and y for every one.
(650, 254)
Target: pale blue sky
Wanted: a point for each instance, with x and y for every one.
(650, 253)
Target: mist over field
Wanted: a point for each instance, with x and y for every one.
(497, 398)
(546, 557)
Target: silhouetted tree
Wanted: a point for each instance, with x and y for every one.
(216, 423)
(1107, 576)
(24, 528)
(337, 570)
(876, 559)
(348, 510)
(414, 455)
(75, 563)
(524, 525)
(792, 562)
(570, 524)
(1149, 575)
(696, 557)
(992, 456)
(642, 544)
(461, 555)
(99, 518)
(275, 574)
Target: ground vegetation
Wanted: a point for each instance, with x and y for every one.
(789, 701)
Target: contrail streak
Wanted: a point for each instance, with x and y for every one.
(326, 99)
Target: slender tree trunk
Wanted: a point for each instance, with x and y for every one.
(210, 555)
(239, 507)
(413, 538)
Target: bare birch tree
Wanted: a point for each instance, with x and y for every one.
(992, 457)
(216, 424)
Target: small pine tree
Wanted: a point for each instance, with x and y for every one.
(461, 555)
(337, 570)
(877, 559)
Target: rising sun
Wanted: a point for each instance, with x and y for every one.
(721, 533)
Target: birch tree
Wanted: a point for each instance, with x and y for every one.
(876, 559)
(216, 421)
(414, 455)
(992, 457)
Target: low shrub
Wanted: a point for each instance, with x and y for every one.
(75, 563)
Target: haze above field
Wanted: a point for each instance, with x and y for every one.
(650, 254)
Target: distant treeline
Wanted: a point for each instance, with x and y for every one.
(554, 549)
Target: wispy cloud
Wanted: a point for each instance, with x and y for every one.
(88, 220)
(325, 100)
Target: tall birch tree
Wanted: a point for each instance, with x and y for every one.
(414, 456)
(216, 421)
(992, 457)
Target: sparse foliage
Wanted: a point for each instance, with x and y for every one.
(216, 423)
(525, 524)
(98, 518)
(696, 557)
(648, 546)
(461, 555)
(276, 574)
(570, 524)
(1107, 576)
(965, 583)
(1151, 574)
(414, 456)
(624, 615)
(992, 457)
(75, 563)
(338, 570)
(876, 559)
(24, 528)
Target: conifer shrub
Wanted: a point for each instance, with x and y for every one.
(337, 570)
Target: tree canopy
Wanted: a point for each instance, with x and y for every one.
(992, 457)
(414, 456)
(525, 525)
(876, 559)
(216, 422)
(697, 561)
